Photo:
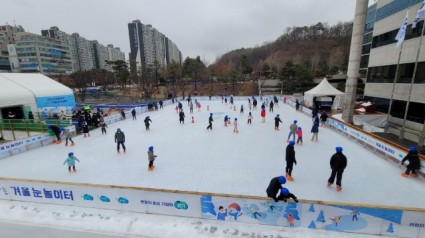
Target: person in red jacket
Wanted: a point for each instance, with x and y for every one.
(263, 115)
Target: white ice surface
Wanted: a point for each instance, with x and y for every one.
(191, 158)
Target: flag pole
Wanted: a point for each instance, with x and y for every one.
(400, 40)
(401, 136)
(394, 82)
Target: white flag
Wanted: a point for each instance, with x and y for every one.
(419, 15)
(402, 32)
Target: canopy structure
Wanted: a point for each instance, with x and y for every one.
(24, 92)
(324, 90)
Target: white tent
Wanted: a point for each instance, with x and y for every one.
(34, 92)
(324, 89)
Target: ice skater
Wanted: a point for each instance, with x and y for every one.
(277, 121)
(338, 164)
(241, 112)
(71, 162)
(323, 119)
(315, 131)
(250, 118)
(151, 158)
(271, 105)
(235, 126)
(290, 160)
(274, 186)
(133, 113)
(300, 136)
(263, 115)
(68, 136)
(292, 130)
(210, 120)
(120, 139)
(103, 126)
(181, 117)
(226, 118)
(414, 162)
(147, 122)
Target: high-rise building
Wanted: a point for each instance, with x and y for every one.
(42, 54)
(86, 54)
(147, 45)
(399, 94)
(7, 36)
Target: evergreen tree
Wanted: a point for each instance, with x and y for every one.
(390, 228)
(321, 217)
(312, 225)
(311, 209)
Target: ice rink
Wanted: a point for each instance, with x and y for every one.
(192, 158)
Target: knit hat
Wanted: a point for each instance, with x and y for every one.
(292, 142)
(70, 153)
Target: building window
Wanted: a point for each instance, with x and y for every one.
(420, 73)
(382, 74)
(398, 108)
(406, 73)
(416, 112)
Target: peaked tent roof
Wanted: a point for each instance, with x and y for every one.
(12, 94)
(38, 84)
(324, 88)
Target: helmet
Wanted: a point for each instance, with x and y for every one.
(236, 119)
(284, 191)
(70, 153)
(118, 129)
(412, 148)
(299, 128)
(338, 149)
(150, 148)
(211, 114)
(292, 142)
(277, 115)
(281, 179)
(295, 121)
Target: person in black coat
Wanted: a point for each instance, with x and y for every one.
(338, 164)
(133, 114)
(297, 105)
(181, 116)
(147, 122)
(324, 118)
(210, 120)
(274, 186)
(290, 160)
(315, 131)
(276, 122)
(414, 162)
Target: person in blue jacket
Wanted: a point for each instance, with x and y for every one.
(274, 187)
(71, 161)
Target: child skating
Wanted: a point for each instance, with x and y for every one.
(300, 136)
(235, 126)
(276, 122)
(71, 162)
(151, 158)
(86, 130)
(414, 162)
(250, 118)
(210, 120)
(147, 122)
(103, 125)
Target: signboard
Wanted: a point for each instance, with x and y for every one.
(49, 107)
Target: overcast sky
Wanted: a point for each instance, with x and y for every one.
(198, 27)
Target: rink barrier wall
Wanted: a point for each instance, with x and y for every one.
(333, 216)
(386, 149)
